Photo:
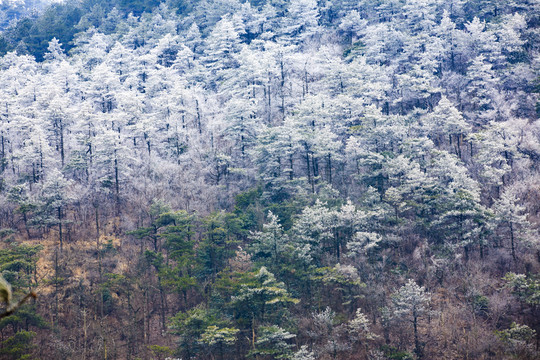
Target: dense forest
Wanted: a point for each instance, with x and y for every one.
(303, 179)
(12, 11)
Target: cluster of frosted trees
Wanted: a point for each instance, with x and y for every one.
(409, 99)
(13, 10)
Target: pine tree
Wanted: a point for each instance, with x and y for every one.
(509, 214)
(410, 304)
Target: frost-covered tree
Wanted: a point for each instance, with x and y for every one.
(55, 51)
(447, 127)
(409, 305)
(220, 49)
(509, 214)
(53, 202)
(271, 242)
(301, 22)
(315, 232)
(273, 341)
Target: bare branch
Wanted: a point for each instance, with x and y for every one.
(14, 308)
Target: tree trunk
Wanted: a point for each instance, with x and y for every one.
(308, 169)
(512, 241)
(60, 229)
(329, 165)
(3, 156)
(416, 340)
(62, 155)
(56, 288)
(116, 183)
(291, 163)
(198, 116)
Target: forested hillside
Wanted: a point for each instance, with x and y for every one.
(12, 11)
(299, 180)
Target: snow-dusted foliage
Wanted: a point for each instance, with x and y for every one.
(348, 146)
